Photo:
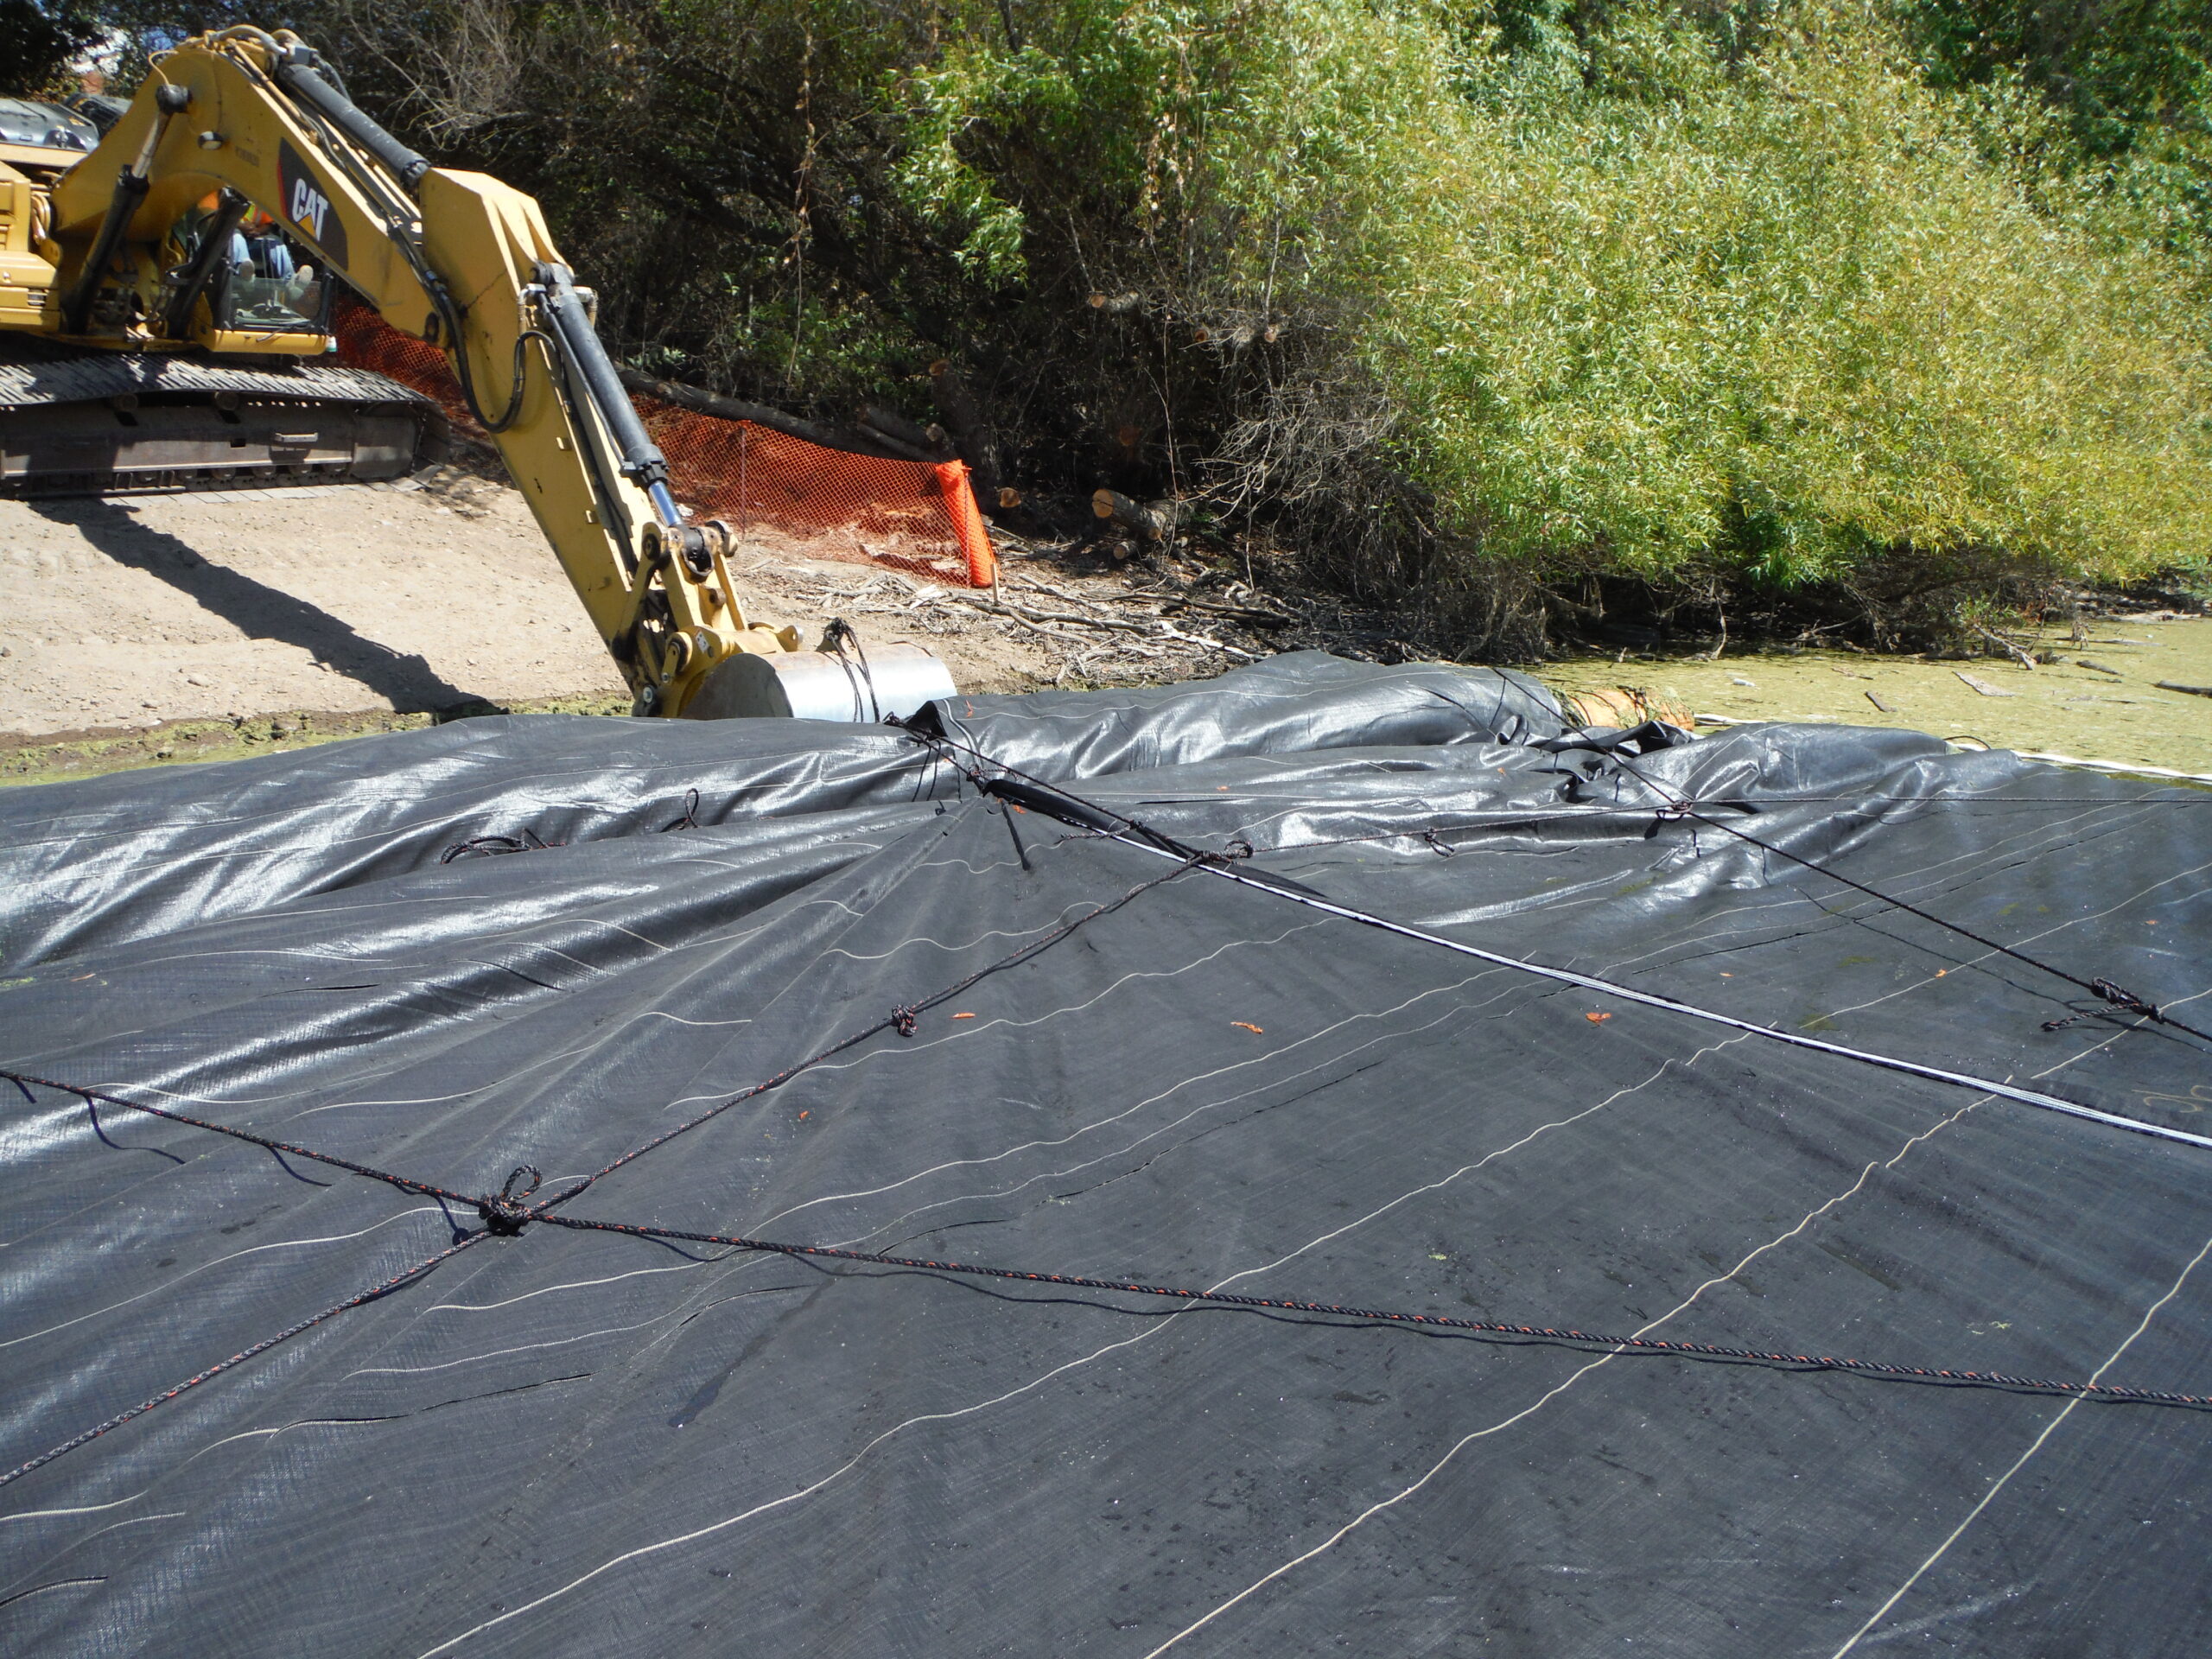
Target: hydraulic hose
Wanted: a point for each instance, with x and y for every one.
(214, 247)
(130, 188)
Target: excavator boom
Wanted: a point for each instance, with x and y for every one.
(243, 120)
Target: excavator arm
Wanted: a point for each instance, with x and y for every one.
(465, 263)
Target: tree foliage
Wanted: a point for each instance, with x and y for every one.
(38, 39)
(1462, 300)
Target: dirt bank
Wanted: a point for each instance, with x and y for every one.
(139, 630)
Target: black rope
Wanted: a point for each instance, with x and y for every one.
(2125, 1001)
(1387, 1316)
(494, 846)
(689, 820)
(373, 1293)
(25, 1081)
(834, 637)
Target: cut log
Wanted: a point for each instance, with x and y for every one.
(890, 423)
(1148, 523)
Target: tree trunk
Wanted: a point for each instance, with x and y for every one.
(972, 432)
(702, 402)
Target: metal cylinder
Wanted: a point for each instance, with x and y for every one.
(295, 71)
(816, 686)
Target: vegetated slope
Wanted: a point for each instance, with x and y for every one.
(1877, 304)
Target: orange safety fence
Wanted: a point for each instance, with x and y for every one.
(780, 493)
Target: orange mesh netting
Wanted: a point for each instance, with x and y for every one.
(780, 493)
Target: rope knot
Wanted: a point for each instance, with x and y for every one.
(903, 1019)
(2118, 995)
(2121, 998)
(505, 1211)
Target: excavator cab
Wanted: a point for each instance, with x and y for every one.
(261, 291)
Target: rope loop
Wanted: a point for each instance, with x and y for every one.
(507, 1210)
(1440, 846)
(834, 637)
(689, 820)
(1239, 848)
(494, 846)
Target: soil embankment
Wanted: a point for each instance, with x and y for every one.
(143, 630)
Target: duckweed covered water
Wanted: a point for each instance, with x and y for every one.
(2068, 708)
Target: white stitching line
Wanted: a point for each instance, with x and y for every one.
(1575, 1376)
(2034, 1446)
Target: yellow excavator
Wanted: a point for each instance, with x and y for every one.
(164, 291)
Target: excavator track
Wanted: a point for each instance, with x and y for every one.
(85, 423)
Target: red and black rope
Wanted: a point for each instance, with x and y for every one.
(94, 1098)
(1428, 1321)
(1680, 806)
(505, 1213)
(1105, 822)
(405, 1277)
(902, 1018)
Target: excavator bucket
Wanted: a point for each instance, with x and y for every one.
(884, 681)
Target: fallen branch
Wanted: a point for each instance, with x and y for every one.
(1999, 639)
(1235, 612)
(702, 402)
(1173, 632)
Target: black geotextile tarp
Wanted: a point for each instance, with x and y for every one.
(585, 1443)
